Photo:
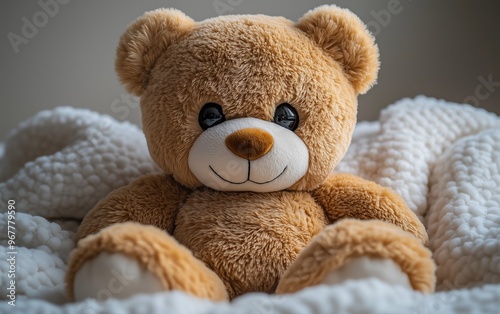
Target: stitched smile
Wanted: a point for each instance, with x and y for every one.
(248, 177)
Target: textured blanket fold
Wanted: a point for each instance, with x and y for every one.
(442, 158)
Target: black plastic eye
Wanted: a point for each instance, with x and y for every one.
(210, 115)
(286, 116)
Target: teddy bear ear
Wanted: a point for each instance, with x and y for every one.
(143, 43)
(346, 39)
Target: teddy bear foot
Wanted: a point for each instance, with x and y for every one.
(129, 258)
(366, 267)
(114, 275)
(356, 249)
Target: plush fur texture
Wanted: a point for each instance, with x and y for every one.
(150, 200)
(348, 239)
(340, 33)
(248, 65)
(219, 245)
(144, 42)
(348, 196)
(157, 252)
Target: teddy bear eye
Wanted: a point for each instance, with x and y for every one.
(210, 115)
(286, 116)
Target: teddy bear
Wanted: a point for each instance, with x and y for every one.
(247, 116)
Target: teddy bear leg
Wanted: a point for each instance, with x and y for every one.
(355, 249)
(129, 258)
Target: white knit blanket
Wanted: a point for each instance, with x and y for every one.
(443, 158)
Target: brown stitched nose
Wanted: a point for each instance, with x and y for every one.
(250, 143)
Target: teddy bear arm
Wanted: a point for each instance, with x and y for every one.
(348, 196)
(150, 200)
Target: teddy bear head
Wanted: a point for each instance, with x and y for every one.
(248, 102)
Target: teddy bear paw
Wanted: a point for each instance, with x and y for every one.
(365, 267)
(114, 275)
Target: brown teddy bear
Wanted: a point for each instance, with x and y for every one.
(248, 116)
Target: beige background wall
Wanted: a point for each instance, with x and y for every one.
(446, 49)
